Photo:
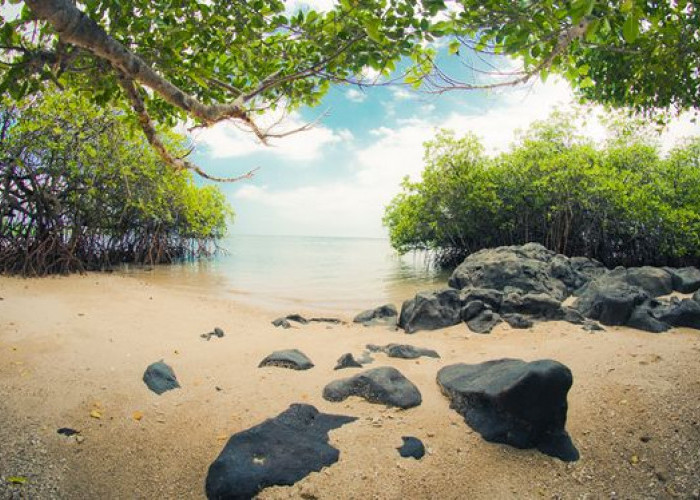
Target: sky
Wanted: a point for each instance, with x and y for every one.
(336, 179)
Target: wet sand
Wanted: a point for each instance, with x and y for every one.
(73, 345)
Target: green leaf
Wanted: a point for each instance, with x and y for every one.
(372, 27)
(586, 83)
(630, 30)
(17, 480)
(454, 46)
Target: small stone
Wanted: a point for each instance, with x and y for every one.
(79, 439)
(645, 438)
(634, 459)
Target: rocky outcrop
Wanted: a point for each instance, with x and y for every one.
(527, 268)
(513, 402)
(539, 305)
(403, 351)
(279, 451)
(431, 310)
(412, 447)
(644, 317)
(385, 314)
(684, 313)
(293, 359)
(384, 385)
(160, 377)
(517, 321)
(610, 301)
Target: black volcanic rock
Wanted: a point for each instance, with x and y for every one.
(517, 321)
(484, 321)
(279, 451)
(412, 447)
(384, 385)
(431, 310)
(403, 351)
(347, 361)
(609, 301)
(385, 314)
(288, 358)
(513, 402)
(160, 378)
(685, 279)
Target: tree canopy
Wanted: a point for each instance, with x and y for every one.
(620, 202)
(220, 60)
(80, 191)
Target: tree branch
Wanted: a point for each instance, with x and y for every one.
(132, 93)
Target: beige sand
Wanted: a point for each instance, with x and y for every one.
(72, 345)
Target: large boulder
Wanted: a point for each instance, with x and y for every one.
(487, 296)
(609, 301)
(385, 314)
(589, 268)
(685, 279)
(384, 385)
(540, 305)
(279, 451)
(513, 402)
(644, 317)
(685, 313)
(293, 359)
(160, 377)
(431, 311)
(530, 268)
(653, 280)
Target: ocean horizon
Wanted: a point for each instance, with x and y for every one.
(331, 273)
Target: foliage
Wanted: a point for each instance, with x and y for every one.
(219, 60)
(79, 191)
(619, 202)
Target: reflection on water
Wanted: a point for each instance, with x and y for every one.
(342, 274)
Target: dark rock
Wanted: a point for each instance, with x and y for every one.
(471, 310)
(412, 447)
(282, 322)
(571, 315)
(539, 305)
(403, 351)
(384, 385)
(484, 322)
(430, 311)
(160, 378)
(288, 358)
(589, 268)
(488, 296)
(592, 326)
(653, 280)
(67, 431)
(279, 451)
(525, 267)
(298, 318)
(347, 361)
(562, 268)
(513, 402)
(685, 313)
(644, 317)
(218, 332)
(385, 314)
(685, 279)
(696, 296)
(610, 302)
(516, 320)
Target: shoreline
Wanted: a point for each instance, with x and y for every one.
(71, 345)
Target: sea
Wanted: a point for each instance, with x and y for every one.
(303, 272)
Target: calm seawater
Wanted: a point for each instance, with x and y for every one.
(334, 274)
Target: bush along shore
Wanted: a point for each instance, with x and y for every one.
(619, 201)
(78, 191)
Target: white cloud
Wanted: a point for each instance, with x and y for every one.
(401, 94)
(226, 140)
(355, 95)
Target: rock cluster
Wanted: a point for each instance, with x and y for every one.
(520, 284)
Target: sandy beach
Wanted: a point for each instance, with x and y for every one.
(75, 348)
